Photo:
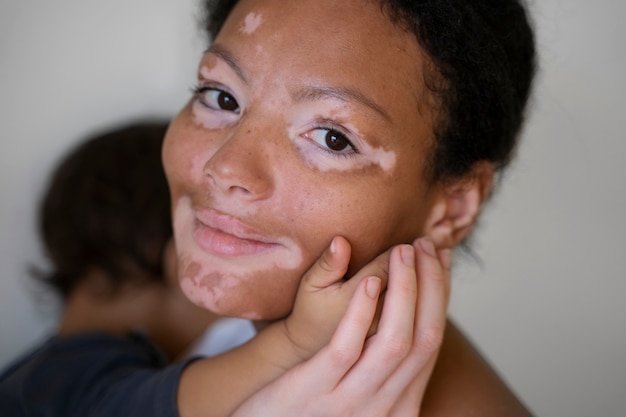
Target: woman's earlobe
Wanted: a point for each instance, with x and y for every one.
(439, 228)
(457, 207)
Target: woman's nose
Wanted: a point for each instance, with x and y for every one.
(241, 165)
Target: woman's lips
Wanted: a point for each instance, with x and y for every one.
(227, 237)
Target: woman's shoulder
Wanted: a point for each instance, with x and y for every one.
(464, 383)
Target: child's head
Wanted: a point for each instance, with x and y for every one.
(377, 121)
(107, 207)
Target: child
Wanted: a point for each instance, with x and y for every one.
(105, 223)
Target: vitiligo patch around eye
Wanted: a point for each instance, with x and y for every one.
(385, 159)
(204, 118)
(368, 156)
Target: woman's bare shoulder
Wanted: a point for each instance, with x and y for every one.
(463, 383)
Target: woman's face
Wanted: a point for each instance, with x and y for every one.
(311, 120)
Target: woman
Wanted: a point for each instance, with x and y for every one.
(377, 121)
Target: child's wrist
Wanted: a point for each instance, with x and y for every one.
(286, 352)
(301, 350)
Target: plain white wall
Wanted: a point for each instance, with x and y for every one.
(546, 307)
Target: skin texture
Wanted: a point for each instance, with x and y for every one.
(264, 170)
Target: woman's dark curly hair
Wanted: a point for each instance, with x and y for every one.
(107, 206)
(483, 56)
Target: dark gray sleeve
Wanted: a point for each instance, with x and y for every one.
(93, 376)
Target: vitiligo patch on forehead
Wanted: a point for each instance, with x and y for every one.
(251, 23)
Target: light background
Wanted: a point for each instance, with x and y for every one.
(546, 307)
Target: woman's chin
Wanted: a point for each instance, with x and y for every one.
(253, 295)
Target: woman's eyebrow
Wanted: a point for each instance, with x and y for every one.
(226, 56)
(313, 93)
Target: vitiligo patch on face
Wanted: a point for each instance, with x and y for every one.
(385, 159)
(184, 223)
(251, 23)
(368, 156)
(210, 118)
(227, 285)
(220, 292)
(260, 51)
(204, 118)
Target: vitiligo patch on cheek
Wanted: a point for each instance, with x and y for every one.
(190, 282)
(220, 293)
(234, 286)
(251, 23)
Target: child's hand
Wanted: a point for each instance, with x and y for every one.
(385, 374)
(324, 295)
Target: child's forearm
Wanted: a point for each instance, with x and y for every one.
(215, 386)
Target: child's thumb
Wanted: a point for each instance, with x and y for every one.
(331, 266)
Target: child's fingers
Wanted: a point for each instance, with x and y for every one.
(433, 272)
(379, 267)
(414, 316)
(394, 338)
(433, 295)
(314, 385)
(397, 319)
(390, 370)
(346, 345)
(331, 266)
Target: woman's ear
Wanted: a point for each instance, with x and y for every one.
(458, 205)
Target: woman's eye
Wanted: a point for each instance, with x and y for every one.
(332, 140)
(217, 99)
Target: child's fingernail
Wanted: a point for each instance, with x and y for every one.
(372, 287)
(333, 247)
(445, 257)
(427, 246)
(407, 253)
